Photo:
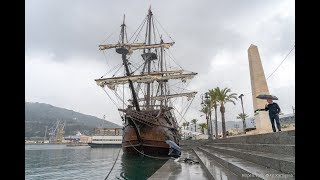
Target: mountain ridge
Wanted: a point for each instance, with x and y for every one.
(39, 115)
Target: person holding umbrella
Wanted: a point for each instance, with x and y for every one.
(273, 109)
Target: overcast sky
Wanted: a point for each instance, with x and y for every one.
(211, 38)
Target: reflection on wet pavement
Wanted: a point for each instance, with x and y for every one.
(180, 170)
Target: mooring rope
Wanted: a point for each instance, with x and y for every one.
(147, 154)
(113, 165)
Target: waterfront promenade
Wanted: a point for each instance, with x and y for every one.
(261, 156)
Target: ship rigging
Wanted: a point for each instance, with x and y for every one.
(147, 89)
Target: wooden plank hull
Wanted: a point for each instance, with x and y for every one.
(153, 140)
(149, 150)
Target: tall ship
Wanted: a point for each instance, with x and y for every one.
(148, 87)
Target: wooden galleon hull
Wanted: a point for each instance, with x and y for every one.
(153, 140)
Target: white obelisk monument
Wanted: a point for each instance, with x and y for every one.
(258, 86)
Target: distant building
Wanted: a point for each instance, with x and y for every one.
(36, 139)
(81, 138)
(186, 134)
(191, 128)
(75, 138)
(29, 142)
(106, 137)
(85, 139)
(107, 131)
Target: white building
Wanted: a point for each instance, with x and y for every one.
(198, 128)
(186, 134)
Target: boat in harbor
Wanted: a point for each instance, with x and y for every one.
(106, 137)
(145, 86)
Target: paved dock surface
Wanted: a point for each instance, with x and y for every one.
(178, 169)
(260, 156)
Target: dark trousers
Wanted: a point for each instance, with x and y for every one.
(174, 153)
(272, 118)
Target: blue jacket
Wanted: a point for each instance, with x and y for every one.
(273, 109)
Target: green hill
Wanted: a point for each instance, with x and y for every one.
(40, 115)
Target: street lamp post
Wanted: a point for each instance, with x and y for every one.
(210, 121)
(244, 120)
(104, 118)
(206, 96)
(203, 105)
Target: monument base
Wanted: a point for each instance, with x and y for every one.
(263, 124)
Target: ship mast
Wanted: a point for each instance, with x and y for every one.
(161, 69)
(124, 53)
(161, 75)
(149, 59)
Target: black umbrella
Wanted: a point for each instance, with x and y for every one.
(267, 96)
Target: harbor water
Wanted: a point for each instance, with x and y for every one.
(48, 161)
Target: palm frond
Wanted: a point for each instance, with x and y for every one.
(230, 100)
(194, 121)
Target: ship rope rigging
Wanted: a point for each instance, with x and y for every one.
(148, 87)
(137, 66)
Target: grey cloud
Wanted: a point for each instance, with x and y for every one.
(202, 30)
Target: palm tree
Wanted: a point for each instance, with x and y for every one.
(243, 117)
(203, 126)
(184, 125)
(187, 124)
(194, 121)
(206, 109)
(213, 93)
(224, 96)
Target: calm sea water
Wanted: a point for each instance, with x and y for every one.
(83, 162)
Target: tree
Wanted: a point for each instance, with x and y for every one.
(243, 117)
(213, 93)
(206, 109)
(224, 96)
(203, 126)
(184, 125)
(187, 123)
(194, 121)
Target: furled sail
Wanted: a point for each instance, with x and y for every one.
(134, 46)
(145, 78)
(164, 72)
(189, 95)
(164, 45)
(109, 46)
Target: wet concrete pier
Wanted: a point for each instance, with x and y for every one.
(262, 156)
(178, 169)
